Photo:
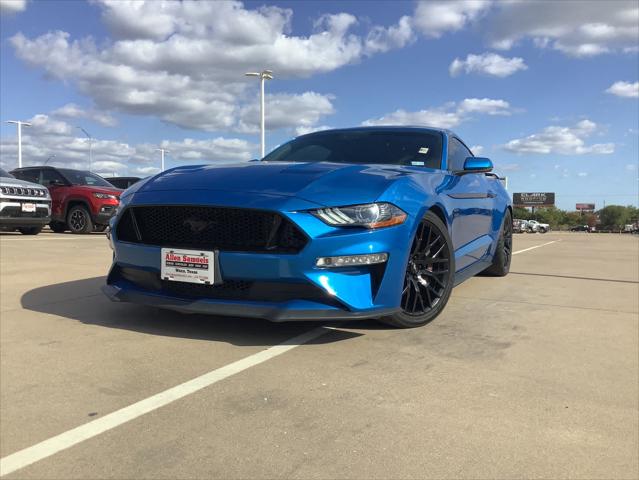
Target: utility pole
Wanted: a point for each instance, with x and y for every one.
(263, 75)
(162, 152)
(50, 158)
(19, 124)
(90, 147)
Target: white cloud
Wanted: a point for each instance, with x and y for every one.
(71, 110)
(582, 174)
(487, 64)
(184, 62)
(624, 89)
(447, 116)
(561, 140)
(487, 106)
(576, 28)
(477, 150)
(381, 39)
(434, 18)
(432, 118)
(285, 110)
(305, 130)
(631, 167)
(49, 136)
(12, 6)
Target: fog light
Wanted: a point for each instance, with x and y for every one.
(351, 260)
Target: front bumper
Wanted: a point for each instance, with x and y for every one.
(275, 312)
(105, 213)
(353, 292)
(11, 214)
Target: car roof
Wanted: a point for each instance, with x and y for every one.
(31, 167)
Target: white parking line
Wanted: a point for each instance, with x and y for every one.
(53, 445)
(532, 248)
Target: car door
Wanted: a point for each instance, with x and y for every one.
(57, 186)
(472, 202)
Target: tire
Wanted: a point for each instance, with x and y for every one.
(58, 227)
(429, 276)
(79, 220)
(503, 252)
(30, 230)
(542, 230)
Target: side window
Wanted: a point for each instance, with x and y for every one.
(51, 176)
(457, 154)
(31, 175)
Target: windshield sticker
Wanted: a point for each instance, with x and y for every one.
(417, 164)
(423, 150)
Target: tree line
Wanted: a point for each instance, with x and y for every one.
(612, 217)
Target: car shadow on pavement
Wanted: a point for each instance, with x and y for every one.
(82, 300)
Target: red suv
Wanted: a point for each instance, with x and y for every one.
(82, 201)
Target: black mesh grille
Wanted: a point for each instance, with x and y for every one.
(207, 228)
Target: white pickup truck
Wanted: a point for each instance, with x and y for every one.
(534, 226)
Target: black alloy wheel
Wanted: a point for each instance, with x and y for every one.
(503, 250)
(79, 220)
(427, 273)
(428, 279)
(508, 242)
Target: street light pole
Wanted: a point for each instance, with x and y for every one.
(19, 124)
(263, 75)
(162, 152)
(50, 157)
(90, 147)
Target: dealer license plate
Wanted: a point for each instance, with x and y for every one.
(192, 266)
(29, 207)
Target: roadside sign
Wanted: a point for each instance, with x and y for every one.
(585, 207)
(534, 199)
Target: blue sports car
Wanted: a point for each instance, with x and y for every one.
(377, 222)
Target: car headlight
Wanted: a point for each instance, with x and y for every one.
(104, 196)
(371, 215)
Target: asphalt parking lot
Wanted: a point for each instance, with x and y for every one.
(534, 375)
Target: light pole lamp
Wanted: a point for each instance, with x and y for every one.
(263, 75)
(90, 147)
(19, 124)
(162, 152)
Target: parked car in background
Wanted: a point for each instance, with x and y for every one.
(122, 182)
(580, 228)
(24, 206)
(535, 227)
(82, 202)
(519, 225)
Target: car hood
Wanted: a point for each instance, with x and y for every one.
(14, 182)
(320, 183)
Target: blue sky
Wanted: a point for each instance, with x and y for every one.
(549, 91)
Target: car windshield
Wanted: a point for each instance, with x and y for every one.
(415, 148)
(81, 177)
(4, 173)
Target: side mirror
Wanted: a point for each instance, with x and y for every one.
(56, 183)
(477, 165)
